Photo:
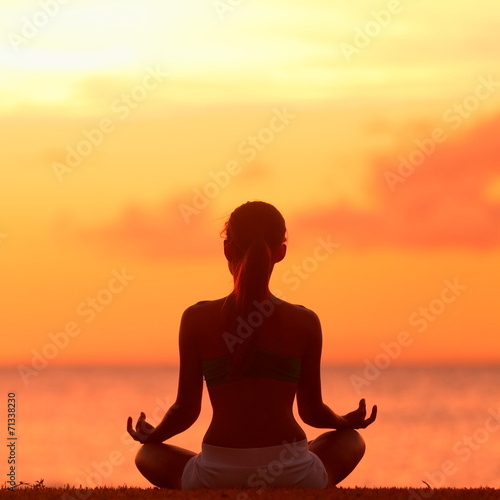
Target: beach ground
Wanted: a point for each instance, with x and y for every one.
(277, 494)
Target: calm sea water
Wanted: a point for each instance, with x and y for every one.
(436, 424)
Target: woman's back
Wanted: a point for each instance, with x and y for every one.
(261, 401)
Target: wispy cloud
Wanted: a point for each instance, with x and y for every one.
(443, 203)
(153, 233)
(446, 202)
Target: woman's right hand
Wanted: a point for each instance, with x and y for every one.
(357, 419)
(142, 431)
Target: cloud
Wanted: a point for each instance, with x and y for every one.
(443, 203)
(156, 233)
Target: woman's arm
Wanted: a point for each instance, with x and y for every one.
(184, 412)
(310, 404)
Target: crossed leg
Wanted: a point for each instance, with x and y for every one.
(162, 464)
(340, 452)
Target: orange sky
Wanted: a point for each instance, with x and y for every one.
(107, 140)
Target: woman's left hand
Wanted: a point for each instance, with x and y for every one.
(142, 431)
(357, 419)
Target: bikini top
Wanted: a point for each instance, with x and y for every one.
(265, 364)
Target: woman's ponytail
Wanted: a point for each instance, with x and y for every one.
(253, 231)
(251, 276)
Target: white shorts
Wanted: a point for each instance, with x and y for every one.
(289, 464)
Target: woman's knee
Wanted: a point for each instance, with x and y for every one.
(340, 451)
(348, 441)
(145, 454)
(356, 441)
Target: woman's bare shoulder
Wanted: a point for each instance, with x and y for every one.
(299, 312)
(209, 310)
(202, 308)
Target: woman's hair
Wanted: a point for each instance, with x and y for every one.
(252, 232)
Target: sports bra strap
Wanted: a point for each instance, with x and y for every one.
(265, 364)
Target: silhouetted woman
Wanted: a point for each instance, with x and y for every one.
(256, 353)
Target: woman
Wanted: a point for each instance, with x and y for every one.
(256, 353)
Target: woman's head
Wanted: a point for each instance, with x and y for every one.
(255, 235)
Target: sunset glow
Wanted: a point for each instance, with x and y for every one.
(131, 130)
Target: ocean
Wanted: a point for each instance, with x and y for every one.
(437, 424)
